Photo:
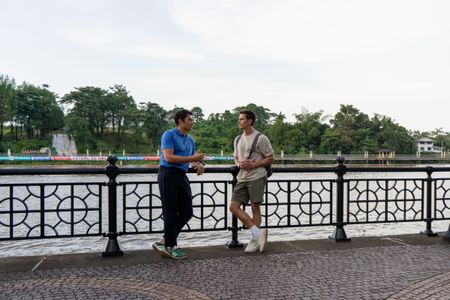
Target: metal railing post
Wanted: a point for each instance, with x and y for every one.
(428, 219)
(234, 243)
(112, 247)
(339, 234)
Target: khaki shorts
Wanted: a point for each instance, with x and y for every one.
(252, 191)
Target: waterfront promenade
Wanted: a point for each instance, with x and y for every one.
(387, 267)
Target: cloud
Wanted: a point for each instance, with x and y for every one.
(367, 44)
(127, 42)
(384, 56)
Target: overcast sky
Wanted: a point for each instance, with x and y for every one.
(388, 57)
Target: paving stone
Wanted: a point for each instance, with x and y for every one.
(394, 272)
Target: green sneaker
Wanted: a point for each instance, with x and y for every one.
(176, 253)
(160, 248)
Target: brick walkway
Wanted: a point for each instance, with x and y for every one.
(394, 270)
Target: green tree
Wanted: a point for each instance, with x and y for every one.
(119, 104)
(197, 114)
(217, 132)
(279, 133)
(136, 117)
(7, 90)
(230, 129)
(38, 110)
(391, 135)
(351, 126)
(330, 141)
(307, 131)
(171, 115)
(443, 140)
(154, 123)
(89, 104)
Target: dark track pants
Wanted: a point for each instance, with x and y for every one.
(176, 197)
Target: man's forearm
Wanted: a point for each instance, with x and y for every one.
(178, 159)
(264, 162)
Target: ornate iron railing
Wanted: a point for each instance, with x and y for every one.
(39, 210)
(45, 210)
(142, 209)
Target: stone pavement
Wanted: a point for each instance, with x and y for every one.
(396, 267)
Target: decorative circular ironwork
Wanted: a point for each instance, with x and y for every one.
(142, 206)
(271, 205)
(385, 200)
(208, 204)
(360, 202)
(21, 212)
(59, 209)
(298, 202)
(66, 216)
(314, 198)
(143, 210)
(38, 229)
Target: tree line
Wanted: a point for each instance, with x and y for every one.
(109, 118)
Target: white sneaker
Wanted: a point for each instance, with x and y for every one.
(252, 246)
(262, 239)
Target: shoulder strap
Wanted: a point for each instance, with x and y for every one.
(236, 140)
(255, 141)
(253, 147)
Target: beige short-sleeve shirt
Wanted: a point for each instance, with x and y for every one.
(242, 150)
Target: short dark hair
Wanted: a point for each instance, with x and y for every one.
(249, 115)
(182, 114)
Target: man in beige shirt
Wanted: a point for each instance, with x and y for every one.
(252, 178)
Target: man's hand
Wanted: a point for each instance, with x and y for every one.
(247, 164)
(197, 157)
(199, 166)
(200, 169)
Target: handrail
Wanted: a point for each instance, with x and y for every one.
(210, 169)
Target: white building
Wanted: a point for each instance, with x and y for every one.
(426, 144)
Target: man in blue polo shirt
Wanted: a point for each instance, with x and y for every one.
(177, 152)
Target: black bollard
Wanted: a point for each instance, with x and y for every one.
(112, 247)
(234, 243)
(339, 234)
(428, 219)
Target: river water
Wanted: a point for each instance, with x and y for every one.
(192, 239)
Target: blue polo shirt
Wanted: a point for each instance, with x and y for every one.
(182, 145)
